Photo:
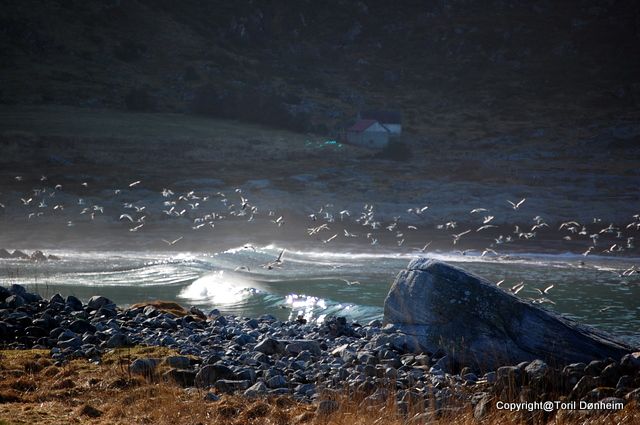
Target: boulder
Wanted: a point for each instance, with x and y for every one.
(441, 306)
(4, 253)
(209, 374)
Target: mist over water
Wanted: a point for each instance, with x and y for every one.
(315, 284)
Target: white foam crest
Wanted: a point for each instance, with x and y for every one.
(219, 288)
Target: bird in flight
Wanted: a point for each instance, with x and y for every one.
(516, 206)
(173, 242)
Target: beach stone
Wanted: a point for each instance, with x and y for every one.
(98, 301)
(297, 346)
(73, 303)
(584, 385)
(178, 362)
(230, 386)
(327, 407)
(56, 299)
(209, 374)
(14, 301)
(256, 390)
(270, 346)
(17, 289)
(277, 381)
(143, 366)
(211, 397)
(183, 377)
(436, 304)
(81, 326)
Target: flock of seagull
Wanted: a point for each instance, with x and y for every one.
(326, 224)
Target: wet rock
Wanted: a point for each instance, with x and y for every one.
(98, 301)
(435, 304)
(73, 303)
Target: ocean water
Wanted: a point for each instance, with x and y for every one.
(316, 284)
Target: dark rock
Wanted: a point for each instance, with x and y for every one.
(117, 340)
(182, 377)
(4, 253)
(211, 397)
(277, 381)
(297, 346)
(74, 303)
(230, 386)
(19, 255)
(38, 256)
(98, 301)
(327, 407)
(178, 362)
(56, 299)
(143, 366)
(482, 407)
(256, 390)
(16, 289)
(631, 362)
(81, 326)
(594, 368)
(209, 374)
(270, 346)
(584, 385)
(435, 304)
(610, 375)
(14, 301)
(4, 293)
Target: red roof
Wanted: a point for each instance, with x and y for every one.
(362, 125)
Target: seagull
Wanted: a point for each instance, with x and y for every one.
(135, 229)
(276, 263)
(477, 210)
(588, 251)
(499, 282)
(486, 226)
(173, 242)
(488, 251)
(279, 221)
(137, 182)
(544, 291)
(127, 216)
(424, 248)
(242, 268)
(516, 206)
(457, 237)
(351, 282)
(487, 219)
(330, 239)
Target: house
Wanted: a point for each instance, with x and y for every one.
(392, 120)
(368, 134)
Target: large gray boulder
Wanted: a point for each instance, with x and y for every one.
(434, 305)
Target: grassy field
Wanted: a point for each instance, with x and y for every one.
(35, 391)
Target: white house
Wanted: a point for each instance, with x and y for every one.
(368, 134)
(391, 120)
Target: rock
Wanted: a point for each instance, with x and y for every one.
(610, 375)
(209, 374)
(4, 253)
(98, 301)
(437, 305)
(117, 340)
(257, 389)
(482, 407)
(584, 385)
(297, 346)
(537, 369)
(327, 407)
(143, 366)
(270, 346)
(631, 362)
(231, 386)
(16, 289)
(178, 362)
(81, 326)
(19, 255)
(183, 377)
(277, 381)
(90, 411)
(14, 301)
(38, 256)
(211, 397)
(4, 293)
(73, 303)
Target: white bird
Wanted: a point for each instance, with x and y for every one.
(486, 226)
(135, 229)
(488, 251)
(351, 282)
(424, 248)
(330, 239)
(137, 182)
(457, 237)
(127, 216)
(173, 242)
(477, 210)
(487, 219)
(516, 206)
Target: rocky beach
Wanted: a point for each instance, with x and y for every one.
(315, 364)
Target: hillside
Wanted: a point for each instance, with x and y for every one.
(456, 69)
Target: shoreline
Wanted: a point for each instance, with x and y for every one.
(260, 357)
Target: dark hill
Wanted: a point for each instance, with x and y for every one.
(311, 65)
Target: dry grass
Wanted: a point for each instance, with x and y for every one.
(34, 391)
